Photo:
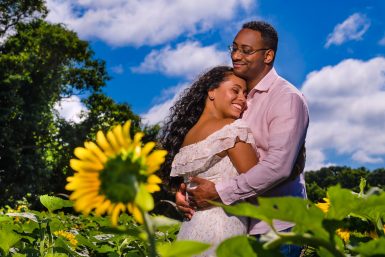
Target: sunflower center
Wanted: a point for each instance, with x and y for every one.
(120, 179)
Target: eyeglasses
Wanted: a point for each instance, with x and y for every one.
(233, 49)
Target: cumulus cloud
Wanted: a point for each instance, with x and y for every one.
(118, 69)
(187, 60)
(70, 109)
(382, 41)
(347, 111)
(353, 28)
(135, 22)
(160, 111)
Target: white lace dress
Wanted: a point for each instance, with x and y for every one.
(201, 159)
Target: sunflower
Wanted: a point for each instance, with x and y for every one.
(115, 174)
(67, 235)
(344, 234)
(324, 206)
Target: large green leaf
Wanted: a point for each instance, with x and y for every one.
(53, 203)
(372, 248)
(181, 248)
(307, 217)
(8, 239)
(244, 246)
(144, 199)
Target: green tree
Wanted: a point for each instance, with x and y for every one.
(39, 64)
(14, 12)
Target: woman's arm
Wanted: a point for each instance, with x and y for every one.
(243, 156)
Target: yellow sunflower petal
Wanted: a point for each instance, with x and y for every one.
(83, 202)
(126, 131)
(151, 188)
(113, 142)
(138, 137)
(84, 166)
(102, 208)
(115, 213)
(84, 191)
(96, 150)
(103, 143)
(134, 210)
(154, 160)
(154, 179)
(118, 133)
(86, 155)
(147, 148)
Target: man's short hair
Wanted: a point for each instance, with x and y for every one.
(268, 33)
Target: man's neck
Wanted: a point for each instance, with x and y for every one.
(252, 82)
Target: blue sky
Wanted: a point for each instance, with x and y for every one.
(333, 51)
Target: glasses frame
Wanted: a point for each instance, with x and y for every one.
(241, 51)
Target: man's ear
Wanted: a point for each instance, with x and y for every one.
(269, 56)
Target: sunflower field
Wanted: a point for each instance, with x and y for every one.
(109, 213)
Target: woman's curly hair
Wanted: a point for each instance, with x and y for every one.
(185, 114)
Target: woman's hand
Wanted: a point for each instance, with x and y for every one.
(181, 202)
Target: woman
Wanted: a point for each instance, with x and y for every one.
(204, 138)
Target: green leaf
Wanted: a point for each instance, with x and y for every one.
(144, 199)
(19, 255)
(163, 221)
(244, 246)
(372, 248)
(53, 203)
(183, 248)
(27, 215)
(8, 239)
(56, 255)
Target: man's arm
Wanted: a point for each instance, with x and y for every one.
(288, 122)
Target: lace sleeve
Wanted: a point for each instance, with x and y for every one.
(196, 158)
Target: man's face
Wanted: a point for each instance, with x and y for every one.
(248, 54)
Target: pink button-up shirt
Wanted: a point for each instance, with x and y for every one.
(278, 117)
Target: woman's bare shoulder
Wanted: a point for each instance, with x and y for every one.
(205, 129)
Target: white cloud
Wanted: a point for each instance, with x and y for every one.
(135, 22)
(70, 109)
(118, 69)
(347, 111)
(382, 41)
(159, 112)
(353, 28)
(187, 60)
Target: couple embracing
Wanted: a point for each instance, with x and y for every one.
(236, 134)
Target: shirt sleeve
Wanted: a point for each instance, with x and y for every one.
(288, 121)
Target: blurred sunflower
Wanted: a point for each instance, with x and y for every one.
(344, 234)
(324, 206)
(115, 174)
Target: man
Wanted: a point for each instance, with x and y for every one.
(277, 115)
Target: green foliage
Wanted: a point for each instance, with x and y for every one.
(40, 64)
(181, 248)
(65, 234)
(362, 219)
(13, 12)
(53, 203)
(318, 181)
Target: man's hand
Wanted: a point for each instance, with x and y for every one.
(181, 202)
(204, 190)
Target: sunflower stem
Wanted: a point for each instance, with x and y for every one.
(150, 233)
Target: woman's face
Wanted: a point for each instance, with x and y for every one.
(230, 97)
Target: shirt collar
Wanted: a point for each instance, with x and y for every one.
(265, 83)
